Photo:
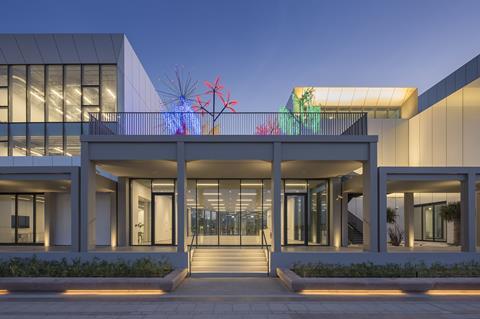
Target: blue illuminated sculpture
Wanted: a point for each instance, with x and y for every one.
(181, 118)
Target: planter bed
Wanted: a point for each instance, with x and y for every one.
(297, 283)
(61, 284)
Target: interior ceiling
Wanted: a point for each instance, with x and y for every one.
(358, 96)
(35, 186)
(355, 185)
(230, 169)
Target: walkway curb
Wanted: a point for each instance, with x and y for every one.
(60, 284)
(297, 283)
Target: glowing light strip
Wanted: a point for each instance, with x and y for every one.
(453, 292)
(4, 292)
(352, 292)
(100, 292)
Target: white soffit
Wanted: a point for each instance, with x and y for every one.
(359, 96)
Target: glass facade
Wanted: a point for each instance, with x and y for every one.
(42, 106)
(229, 212)
(22, 219)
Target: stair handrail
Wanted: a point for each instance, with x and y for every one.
(190, 254)
(264, 238)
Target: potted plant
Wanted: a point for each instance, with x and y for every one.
(451, 213)
(394, 232)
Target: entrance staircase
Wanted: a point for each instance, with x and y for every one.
(229, 261)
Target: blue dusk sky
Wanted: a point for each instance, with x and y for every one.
(263, 48)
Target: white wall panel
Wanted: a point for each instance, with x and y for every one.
(454, 129)
(102, 225)
(388, 142)
(425, 137)
(439, 138)
(62, 220)
(413, 138)
(471, 126)
(402, 133)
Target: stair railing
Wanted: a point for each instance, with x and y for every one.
(264, 240)
(190, 254)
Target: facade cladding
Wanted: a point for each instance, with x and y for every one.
(90, 164)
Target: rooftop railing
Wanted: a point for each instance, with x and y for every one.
(238, 123)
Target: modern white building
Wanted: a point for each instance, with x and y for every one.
(91, 167)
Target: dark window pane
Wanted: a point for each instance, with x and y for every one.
(90, 75)
(19, 93)
(37, 140)
(18, 139)
(54, 139)
(54, 93)
(109, 88)
(73, 93)
(36, 99)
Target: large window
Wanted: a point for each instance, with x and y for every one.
(34, 96)
(428, 222)
(22, 219)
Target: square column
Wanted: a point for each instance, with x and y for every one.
(88, 201)
(122, 212)
(336, 209)
(408, 211)
(371, 220)
(50, 209)
(344, 219)
(75, 209)
(468, 236)
(277, 197)
(181, 186)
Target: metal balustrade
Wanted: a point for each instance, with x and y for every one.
(238, 123)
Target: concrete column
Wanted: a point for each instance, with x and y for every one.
(113, 220)
(468, 210)
(50, 209)
(122, 212)
(181, 187)
(277, 197)
(344, 219)
(408, 211)
(371, 220)
(75, 209)
(88, 201)
(336, 209)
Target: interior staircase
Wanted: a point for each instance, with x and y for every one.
(229, 261)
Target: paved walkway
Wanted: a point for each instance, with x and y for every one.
(237, 298)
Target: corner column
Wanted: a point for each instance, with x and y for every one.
(371, 220)
(408, 210)
(75, 209)
(181, 185)
(88, 201)
(344, 219)
(122, 212)
(336, 208)
(468, 212)
(277, 197)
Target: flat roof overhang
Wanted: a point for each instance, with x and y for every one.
(300, 148)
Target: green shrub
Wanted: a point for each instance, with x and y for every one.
(389, 270)
(34, 267)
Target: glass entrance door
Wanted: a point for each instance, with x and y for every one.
(295, 219)
(163, 219)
